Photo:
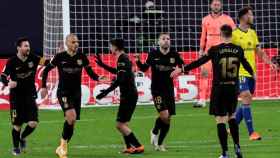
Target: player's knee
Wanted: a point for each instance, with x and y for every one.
(164, 116)
(71, 120)
(17, 128)
(32, 124)
(120, 126)
(70, 116)
(165, 119)
(230, 117)
(221, 119)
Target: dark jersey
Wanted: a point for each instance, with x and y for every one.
(226, 59)
(161, 67)
(125, 76)
(23, 72)
(69, 70)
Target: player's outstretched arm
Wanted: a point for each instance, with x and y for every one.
(44, 90)
(247, 66)
(108, 68)
(195, 64)
(6, 73)
(91, 73)
(46, 71)
(142, 66)
(265, 58)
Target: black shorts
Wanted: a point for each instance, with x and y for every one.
(165, 101)
(70, 101)
(23, 108)
(126, 108)
(224, 99)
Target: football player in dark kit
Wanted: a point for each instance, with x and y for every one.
(19, 75)
(226, 59)
(128, 94)
(70, 64)
(162, 62)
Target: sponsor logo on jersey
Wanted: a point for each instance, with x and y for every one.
(30, 64)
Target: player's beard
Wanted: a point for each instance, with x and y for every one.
(250, 22)
(216, 11)
(165, 47)
(26, 53)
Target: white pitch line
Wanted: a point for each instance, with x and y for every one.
(172, 145)
(136, 118)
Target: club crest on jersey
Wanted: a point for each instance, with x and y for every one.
(79, 62)
(121, 64)
(172, 60)
(30, 64)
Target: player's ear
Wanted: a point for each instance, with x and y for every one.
(158, 41)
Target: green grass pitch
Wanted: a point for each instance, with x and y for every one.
(192, 134)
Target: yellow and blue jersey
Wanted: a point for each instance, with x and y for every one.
(249, 42)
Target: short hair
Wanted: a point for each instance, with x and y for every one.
(164, 33)
(226, 31)
(71, 35)
(119, 43)
(21, 40)
(244, 11)
(211, 1)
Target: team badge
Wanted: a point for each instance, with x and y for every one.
(172, 60)
(79, 62)
(30, 64)
(121, 64)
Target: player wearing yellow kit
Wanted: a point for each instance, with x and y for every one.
(247, 38)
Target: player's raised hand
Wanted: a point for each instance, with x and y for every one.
(12, 84)
(44, 92)
(176, 72)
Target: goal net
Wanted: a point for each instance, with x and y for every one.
(96, 22)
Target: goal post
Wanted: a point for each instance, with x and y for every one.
(139, 23)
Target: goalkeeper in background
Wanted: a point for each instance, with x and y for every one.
(247, 38)
(210, 36)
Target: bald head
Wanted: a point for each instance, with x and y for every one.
(72, 42)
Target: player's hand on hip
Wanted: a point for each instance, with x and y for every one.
(176, 72)
(44, 92)
(12, 84)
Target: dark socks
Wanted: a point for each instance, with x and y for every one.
(234, 130)
(68, 131)
(16, 138)
(222, 134)
(127, 141)
(27, 131)
(157, 126)
(133, 140)
(163, 132)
